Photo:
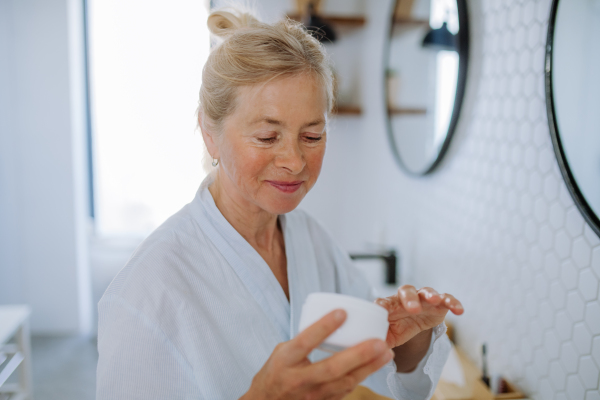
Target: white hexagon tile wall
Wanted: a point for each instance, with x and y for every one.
(497, 226)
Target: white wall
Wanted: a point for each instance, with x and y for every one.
(495, 224)
(43, 255)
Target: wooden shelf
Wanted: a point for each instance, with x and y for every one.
(407, 111)
(347, 110)
(353, 21)
(410, 21)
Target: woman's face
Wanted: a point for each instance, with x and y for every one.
(271, 147)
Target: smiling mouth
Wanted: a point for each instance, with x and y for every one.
(286, 187)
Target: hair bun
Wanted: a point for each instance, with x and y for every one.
(223, 23)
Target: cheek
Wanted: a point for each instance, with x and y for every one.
(314, 161)
(247, 161)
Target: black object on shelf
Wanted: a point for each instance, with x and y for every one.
(484, 368)
(391, 260)
(440, 39)
(318, 27)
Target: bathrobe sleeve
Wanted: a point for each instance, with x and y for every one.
(138, 360)
(417, 385)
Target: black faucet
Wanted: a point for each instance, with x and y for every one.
(389, 257)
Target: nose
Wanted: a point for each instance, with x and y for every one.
(290, 157)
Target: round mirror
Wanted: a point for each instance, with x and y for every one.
(425, 79)
(573, 99)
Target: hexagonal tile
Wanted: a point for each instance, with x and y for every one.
(557, 215)
(528, 14)
(564, 196)
(558, 295)
(560, 396)
(540, 361)
(581, 253)
(551, 345)
(569, 275)
(542, 11)
(592, 317)
(536, 258)
(540, 286)
(535, 183)
(545, 389)
(564, 326)
(574, 222)
(546, 313)
(529, 87)
(545, 159)
(551, 266)
(562, 244)
(592, 395)
(582, 338)
(550, 188)
(596, 350)
(596, 261)
(526, 350)
(546, 239)
(591, 236)
(575, 389)
(588, 372)
(540, 210)
(533, 35)
(588, 285)
(557, 375)
(569, 358)
(514, 18)
(531, 304)
(575, 306)
(531, 231)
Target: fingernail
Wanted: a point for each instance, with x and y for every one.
(458, 306)
(379, 347)
(338, 315)
(411, 304)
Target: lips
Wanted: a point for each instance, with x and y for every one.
(286, 187)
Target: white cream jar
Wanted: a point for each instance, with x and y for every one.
(365, 320)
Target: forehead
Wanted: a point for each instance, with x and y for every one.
(292, 100)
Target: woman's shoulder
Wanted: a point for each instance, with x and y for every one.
(164, 260)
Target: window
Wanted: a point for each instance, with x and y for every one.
(145, 67)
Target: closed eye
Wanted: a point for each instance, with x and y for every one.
(313, 139)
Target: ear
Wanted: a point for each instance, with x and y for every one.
(209, 136)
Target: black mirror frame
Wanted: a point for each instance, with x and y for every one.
(463, 63)
(582, 204)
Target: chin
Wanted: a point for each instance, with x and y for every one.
(282, 207)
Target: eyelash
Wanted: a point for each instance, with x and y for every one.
(313, 139)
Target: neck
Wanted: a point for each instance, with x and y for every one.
(257, 226)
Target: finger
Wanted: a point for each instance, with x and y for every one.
(337, 389)
(345, 361)
(307, 340)
(430, 295)
(387, 302)
(452, 304)
(409, 298)
(348, 382)
(362, 373)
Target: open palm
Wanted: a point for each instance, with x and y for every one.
(413, 311)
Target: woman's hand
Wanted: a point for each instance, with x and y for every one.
(288, 374)
(412, 311)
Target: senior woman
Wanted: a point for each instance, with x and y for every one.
(208, 305)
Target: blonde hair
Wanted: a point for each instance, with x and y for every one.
(251, 52)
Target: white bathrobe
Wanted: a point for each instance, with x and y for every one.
(196, 311)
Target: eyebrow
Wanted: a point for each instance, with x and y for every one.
(273, 121)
